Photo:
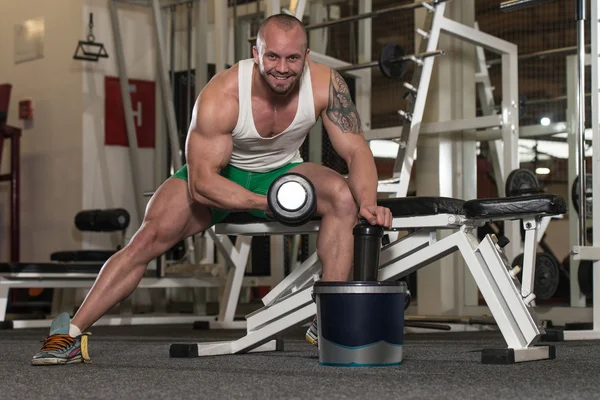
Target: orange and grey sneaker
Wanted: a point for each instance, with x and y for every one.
(61, 348)
(312, 334)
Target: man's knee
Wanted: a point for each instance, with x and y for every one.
(342, 200)
(147, 239)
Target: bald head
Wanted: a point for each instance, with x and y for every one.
(280, 52)
(283, 23)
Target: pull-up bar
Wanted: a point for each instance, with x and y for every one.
(426, 4)
(376, 13)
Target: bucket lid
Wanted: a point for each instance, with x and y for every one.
(360, 287)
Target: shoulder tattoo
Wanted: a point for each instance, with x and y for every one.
(340, 108)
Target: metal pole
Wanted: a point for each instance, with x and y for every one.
(201, 52)
(514, 5)
(372, 14)
(580, 16)
(372, 64)
(165, 89)
(167, 97)
(236, 56)
(595, 38)
(541, 54)
(172, 44)
(190, 9)
(15, 194)
(129, 123)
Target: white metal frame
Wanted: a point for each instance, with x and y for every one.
(407, 134)
(582, 252)
(290, 303)
(236, 260)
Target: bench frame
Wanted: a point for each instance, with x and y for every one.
(290, 303)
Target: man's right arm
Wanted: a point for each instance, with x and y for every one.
(208, 150)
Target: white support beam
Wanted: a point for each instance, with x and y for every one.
(335, 63)
(221, 35)
(317, 37)
(477, 37)
(201, 49)
(528, 131)
(436, 128)
(595, 61)
(363, 85)
(576, 298)
(298, 7)
(271, 7)
(510, 136)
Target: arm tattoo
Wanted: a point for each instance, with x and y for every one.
(340, 109)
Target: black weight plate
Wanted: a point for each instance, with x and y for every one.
(518, 261)
(522, 106)
(521, 182)
(585, 277)
(296, 217)
(588, 195)
(547, 275)
(388, 67)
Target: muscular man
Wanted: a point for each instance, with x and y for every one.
(249, 123)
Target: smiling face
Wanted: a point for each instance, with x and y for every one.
(280, 53)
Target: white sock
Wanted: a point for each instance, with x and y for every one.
(74, 331)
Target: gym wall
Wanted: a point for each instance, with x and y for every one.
(51, 145)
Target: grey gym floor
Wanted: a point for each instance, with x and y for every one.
(134, 363)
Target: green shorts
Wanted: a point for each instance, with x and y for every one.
(256, 182)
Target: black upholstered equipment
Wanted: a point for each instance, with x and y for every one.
(107, 220)
(515, 207)
(500, 208)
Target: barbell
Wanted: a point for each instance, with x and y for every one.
(392, 61)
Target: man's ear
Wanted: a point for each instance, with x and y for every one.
(255, 54)
(307, 53)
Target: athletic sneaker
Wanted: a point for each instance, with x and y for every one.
(312, 334)
(60, 348)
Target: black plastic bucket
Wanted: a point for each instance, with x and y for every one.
(360, 323)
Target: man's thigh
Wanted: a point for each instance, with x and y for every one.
(328, 183)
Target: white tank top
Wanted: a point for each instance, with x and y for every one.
(251, 152)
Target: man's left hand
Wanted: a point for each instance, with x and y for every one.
(376, 215)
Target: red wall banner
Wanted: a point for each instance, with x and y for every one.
(143, 108)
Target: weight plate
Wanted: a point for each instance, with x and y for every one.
(522, 106)
(388, 67)
(588, 195)
(518, 261)
(547, 275)
(585, 277)
(295, 217)
(521, 182)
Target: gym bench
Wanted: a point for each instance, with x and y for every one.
(511, 302)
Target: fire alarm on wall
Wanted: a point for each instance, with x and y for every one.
(25, 109)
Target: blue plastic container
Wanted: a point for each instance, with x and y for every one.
(361, 324)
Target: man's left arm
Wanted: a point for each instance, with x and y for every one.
(343, 125)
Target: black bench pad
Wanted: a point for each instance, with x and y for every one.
(515, 207)
(400, 207)
(422, 206)
(82, 255)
